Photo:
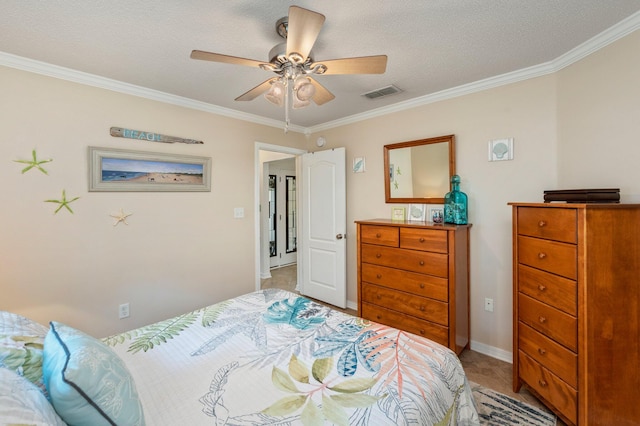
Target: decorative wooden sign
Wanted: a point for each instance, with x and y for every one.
(119, 132)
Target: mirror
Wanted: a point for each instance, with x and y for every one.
(419, 171)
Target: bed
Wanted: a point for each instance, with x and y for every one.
(265, 358)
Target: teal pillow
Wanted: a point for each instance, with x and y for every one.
(87, 382)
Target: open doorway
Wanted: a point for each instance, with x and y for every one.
(277, 224)
(282, 211)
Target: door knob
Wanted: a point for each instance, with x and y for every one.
(340, 236)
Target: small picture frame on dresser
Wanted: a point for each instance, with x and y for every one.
(436, 214)
(398, 213)
(417, 212)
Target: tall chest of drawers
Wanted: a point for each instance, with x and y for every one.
(415, 277)
(576, 334)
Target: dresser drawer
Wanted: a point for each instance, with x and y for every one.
(558, 359)
(411, 324)
(423, 262)
(561, 327)
(550, 387)
(381, 235)
(561, 293)
(550, 223)
(421, 307)
(411, 282)
(551, 256)
(423, 239)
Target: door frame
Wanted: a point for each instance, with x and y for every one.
(260, 146)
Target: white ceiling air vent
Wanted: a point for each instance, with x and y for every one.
(384, 91)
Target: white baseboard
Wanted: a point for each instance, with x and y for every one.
(492, 351)
(352, 305)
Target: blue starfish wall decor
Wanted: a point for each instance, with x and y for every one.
(63, 202)
(34, 163)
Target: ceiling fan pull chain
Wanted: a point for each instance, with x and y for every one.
(286, 105)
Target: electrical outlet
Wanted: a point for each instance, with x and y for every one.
(123, 311)
(488, 304)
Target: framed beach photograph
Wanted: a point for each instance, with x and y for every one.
(140, 171)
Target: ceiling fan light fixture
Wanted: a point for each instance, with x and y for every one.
(303, 89)
(299, 103)
(276, 93)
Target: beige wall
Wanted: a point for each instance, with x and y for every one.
(599, 120)
(524, 111)
(179, 252)
(576, 128)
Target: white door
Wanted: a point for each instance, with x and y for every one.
(324, 226)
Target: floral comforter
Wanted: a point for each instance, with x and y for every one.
(276, 358)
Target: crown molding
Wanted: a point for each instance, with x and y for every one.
(465, 89)
(623, 28)
(610, 35)
(55, 71)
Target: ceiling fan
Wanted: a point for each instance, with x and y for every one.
(294, 64)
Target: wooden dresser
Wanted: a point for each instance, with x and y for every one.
(414, 276)
(576, 298)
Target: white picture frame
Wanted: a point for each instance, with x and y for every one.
(359, 165)
(113, 170)
(501, 149)
(417, 212)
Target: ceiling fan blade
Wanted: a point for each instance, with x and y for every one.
(302, 31)
(217, 57)
(362, 65)
(322, 95)
(256, 91)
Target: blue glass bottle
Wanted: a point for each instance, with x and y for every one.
(455, 204)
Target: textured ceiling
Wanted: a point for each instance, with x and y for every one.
(431, 45)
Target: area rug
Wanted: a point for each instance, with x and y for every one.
(498, 409)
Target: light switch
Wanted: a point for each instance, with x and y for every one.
(238, 212)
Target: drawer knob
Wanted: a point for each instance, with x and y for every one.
(422, 332)
(378, 235)
(542, 255)
(422, 308)
(378, 296)
(378, 317)
(422, 263)
(421, 239)
(541, 351)
(541, 287)
(421, 285)
(542, 223)
(378, 255)
(542, 383)
(378, 276)
(542, 320)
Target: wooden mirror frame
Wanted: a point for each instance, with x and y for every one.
(449, 139)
